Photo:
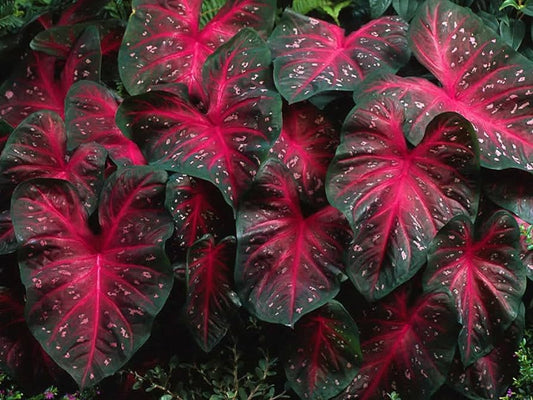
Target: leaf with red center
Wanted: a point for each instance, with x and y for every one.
(224, 144)
(209, 289)
(324, 353)
(289, 260)
(407, 348)
(490, 376)
(90, 117)
(397, 198)
(511, 189)
(163, 42)
(306, 146)
(197, 208)
(35, 86)
(482, 79)
(483, 271)
(313, 56)
(91, 299)
(20, 354)
(37, 148)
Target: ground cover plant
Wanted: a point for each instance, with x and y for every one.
(254, 199)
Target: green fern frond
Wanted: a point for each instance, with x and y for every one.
(209, 10)
(328, 7)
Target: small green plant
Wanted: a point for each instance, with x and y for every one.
(522, 386)
(394, 396)
(226, 377)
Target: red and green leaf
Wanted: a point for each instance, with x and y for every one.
(312, 56)
(407, 348)
(37, 148)
(90, 110)
(92, 298)
(223, 143)
(324, 353)
(397, 198)
(210, 298)
(164, 43)
(490, 376)
(197, 208)
(482, 79)
(482, 269)
(289, 261)
(306, 146)
(35, 85)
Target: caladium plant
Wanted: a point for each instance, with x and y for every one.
(91, 298)
(270, 202)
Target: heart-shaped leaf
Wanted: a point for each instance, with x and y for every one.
(37, 148)
(397, 198)
(324, 352)
(407, 348)
(225, 142)
(482, 79)
(312, 56)
(91, 298)
(90, 110)
(306, 146)
(163, 42)
(209, 289)
(36, 86)
(483, 271)
(289, 259)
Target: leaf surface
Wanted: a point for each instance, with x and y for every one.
(163, 42)
(396, 198)
(312, 56)
(483, 271)
(324, 353)
(91, 298)
(209, 289)
(289, 262)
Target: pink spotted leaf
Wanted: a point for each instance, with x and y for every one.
(481, 78)
(164, 43)
(396, 198)
(224, 140)
(306, 146)
(90, 110)
(482, 269)
(210, 297)
(312, 56)
(37, 148)
(407, 346)
(92, 298)
(324, 353)
(289, 259)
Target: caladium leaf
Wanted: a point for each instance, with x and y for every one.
(91, 298)
(163, 42)
(197, 208)
(511, 189)
(289, 261)
(37, 148)
(20, 354)
(225, 143)
(482, 79)
(36, 86)
(306, 146)
(490, 376)
(406, 347)
(397, 198)
(210, 299)
(482, 269)
(324, 353)
(90, 110)
(312, 56)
